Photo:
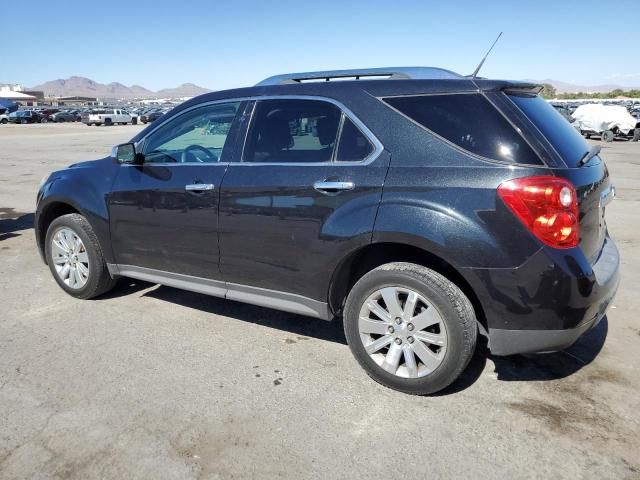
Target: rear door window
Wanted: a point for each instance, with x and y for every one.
(556, 129)
(292, 131)
(469, 121)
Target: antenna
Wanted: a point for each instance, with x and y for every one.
(475, 72)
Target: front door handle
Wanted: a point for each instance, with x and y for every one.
(199, 187)
(333, 187)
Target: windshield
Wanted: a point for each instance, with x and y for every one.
(565, 139)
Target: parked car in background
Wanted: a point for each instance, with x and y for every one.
(61, 117)
(608, 121)
(107, 117)
(151, 117)
(46, 113)
(27, 116)
(423, 212)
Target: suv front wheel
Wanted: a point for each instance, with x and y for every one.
(75, 257)
(410, 328)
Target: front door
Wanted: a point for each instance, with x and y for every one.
(164, 211)
(305, 193)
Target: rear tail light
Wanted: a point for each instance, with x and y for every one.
(548, 207)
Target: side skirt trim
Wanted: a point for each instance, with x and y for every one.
(287, 302)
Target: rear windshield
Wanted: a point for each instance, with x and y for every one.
(471, 122)
(565, 139)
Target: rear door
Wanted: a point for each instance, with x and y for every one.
(164, 212)
(305, 192)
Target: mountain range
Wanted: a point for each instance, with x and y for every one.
(565, 87)
(85, 87)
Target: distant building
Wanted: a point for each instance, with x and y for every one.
(74, 100)
(15, 92)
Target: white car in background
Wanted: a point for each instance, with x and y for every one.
(109, 116)
(608, 121)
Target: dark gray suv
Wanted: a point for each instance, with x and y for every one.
(420, 206)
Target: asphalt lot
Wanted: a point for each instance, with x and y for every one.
(152, 382)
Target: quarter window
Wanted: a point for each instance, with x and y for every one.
(198, 136)
(292, 131)
(471, 122)
(354, 146)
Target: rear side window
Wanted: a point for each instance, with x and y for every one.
(292, 131)
(557, 130)
(354, 146)
(469, 121)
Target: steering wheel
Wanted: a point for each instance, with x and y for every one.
(184, 156)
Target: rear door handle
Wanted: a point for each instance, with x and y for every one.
(199, 187)
(332, 187)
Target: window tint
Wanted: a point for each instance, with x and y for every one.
(469, 121)
(198, 136)
(292, 131)
(354, 145)
(565, 139)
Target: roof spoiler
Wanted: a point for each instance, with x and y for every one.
(530, 88)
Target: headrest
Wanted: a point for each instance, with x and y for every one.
(327, 128)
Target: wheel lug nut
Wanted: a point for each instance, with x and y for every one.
(398, 320)
(410, 327)
(410, 339)
(390, 329)
(398, 341)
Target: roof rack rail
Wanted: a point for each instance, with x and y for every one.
(386, 73)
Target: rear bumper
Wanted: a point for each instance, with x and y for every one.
(511, 342)
(547, 303)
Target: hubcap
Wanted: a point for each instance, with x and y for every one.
(70, 258)
(403, 332)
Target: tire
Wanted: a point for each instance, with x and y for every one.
(134, 121)
(108, 122)
(4, 121)
(43, 120)
(98, 280)
(635, 138)
(607, 136)
(457, 323)
(61, 120)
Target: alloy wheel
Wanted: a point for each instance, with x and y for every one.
(70, 258)
(402, 332)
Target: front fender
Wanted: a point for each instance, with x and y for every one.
(85, 188)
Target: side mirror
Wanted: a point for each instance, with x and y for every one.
(124, 153)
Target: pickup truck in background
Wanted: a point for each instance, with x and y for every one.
(107, 117)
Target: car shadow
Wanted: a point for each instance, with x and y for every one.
(514, 368)
(556, 365)
(289, 322)
(12, 221)
(533, 367)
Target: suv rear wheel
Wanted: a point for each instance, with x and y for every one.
(75, 257)
(410, 328)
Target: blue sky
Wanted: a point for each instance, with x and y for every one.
(160, 44)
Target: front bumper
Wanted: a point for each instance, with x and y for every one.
(547, 303)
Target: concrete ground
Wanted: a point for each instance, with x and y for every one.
(151, 382)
